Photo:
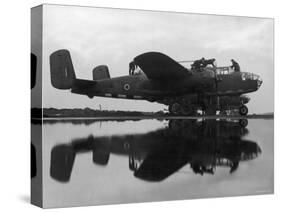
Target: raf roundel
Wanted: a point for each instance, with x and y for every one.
(127, 87)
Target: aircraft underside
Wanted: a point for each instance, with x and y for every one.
(191, 104)
(209, 105)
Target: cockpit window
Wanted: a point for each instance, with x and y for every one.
(224, 70)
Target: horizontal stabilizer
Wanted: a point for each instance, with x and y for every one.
(62, 71)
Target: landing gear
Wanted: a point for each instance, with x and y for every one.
(243, 110)
(210, 111)
(132, 163)
(178, 109)
(223, 113)
(175, 108)
(187, 110)
(243, 122)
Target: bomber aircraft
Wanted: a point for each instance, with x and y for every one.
(158, 78)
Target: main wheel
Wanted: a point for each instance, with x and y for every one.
(175, 108)
(187, 110)
(243, 122)
(243, 110)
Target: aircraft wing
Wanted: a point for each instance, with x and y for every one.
(157, 65)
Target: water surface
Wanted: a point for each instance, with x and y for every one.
(103, 162)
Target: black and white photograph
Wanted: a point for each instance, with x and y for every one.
(131, 106)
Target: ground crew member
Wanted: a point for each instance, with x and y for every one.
(195, 65)
(132, 68)
(198, 64)
(209, 62)
(235, 66)
(203, 61)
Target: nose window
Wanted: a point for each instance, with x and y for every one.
(249, 76)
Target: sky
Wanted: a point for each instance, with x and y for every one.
(113, 37)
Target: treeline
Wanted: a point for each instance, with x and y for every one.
(86, 112)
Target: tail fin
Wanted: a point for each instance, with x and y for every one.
(62, 71)
(101, 72)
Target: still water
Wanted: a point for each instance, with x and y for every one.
(102, 162)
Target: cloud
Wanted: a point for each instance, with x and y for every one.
(114, 37)
(253, 37)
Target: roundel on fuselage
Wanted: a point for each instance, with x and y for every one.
(126, 87)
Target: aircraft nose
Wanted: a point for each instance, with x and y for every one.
(259, 82)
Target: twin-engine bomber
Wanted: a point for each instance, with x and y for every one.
(155, 77)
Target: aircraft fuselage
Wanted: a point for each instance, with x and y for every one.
(140, 87)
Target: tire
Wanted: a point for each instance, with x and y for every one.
(187, 110)
(175, 108)
(243, 122)
(243, 110)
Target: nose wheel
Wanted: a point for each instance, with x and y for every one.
(243, 122)
(243, 110)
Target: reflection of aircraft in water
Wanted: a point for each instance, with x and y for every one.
(156, 155)
(155, 77)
